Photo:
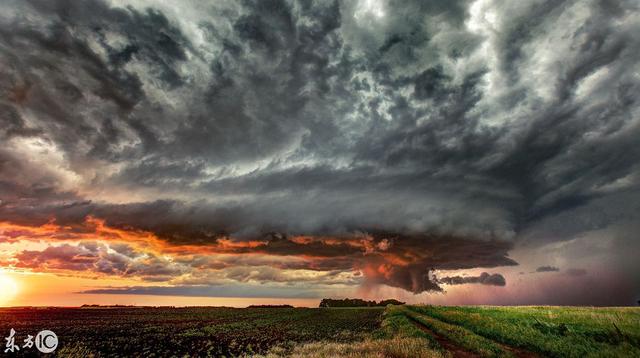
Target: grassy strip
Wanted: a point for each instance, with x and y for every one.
(461, 336)
(395, 323)
(397, 347)
(397, 337)
(551, 331)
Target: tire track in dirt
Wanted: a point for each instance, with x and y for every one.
(459, 352)
(451, 347)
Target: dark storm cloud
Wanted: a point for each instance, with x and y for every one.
(485, 278)
(522, 28)
(547, 269)
(381, 258)
(448, 120)
(407, 262)
(559, 171)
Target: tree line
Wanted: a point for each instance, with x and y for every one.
(357, 302)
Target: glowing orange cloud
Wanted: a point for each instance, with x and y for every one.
(97, 230)
(96, 248)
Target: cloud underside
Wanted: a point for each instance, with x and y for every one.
(357, 137)
(242, 290)
(547, 269)
(484, 279)
(407, 262)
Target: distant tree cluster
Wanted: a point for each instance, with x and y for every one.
(270, 306)
(112, 306)
(357, 302)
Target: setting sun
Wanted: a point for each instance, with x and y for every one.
(8, 288)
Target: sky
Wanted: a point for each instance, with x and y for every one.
(271, 151)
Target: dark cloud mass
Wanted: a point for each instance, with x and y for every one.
(393, 260)
(455, 131)
(547, 269)
(485, 278)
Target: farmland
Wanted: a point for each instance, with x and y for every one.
(203, 331)
(395, 331)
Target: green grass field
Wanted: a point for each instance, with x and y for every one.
(548, 331)
(394, 331)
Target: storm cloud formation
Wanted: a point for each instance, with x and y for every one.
(451, 132)
(484, 279)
